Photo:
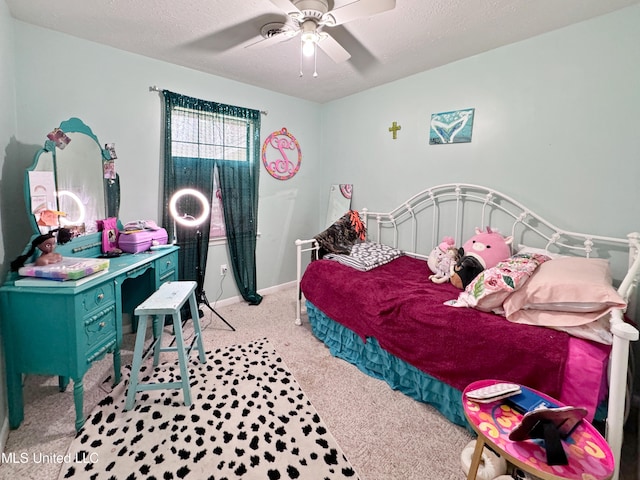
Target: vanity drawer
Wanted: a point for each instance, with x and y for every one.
(167, 267)
(98, 297)
(99, 331)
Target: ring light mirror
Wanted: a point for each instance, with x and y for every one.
(77, 206)
(185, 219)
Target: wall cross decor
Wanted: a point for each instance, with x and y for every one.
(394, 129)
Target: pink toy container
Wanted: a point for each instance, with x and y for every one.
(141, 241)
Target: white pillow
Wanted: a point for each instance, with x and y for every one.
(576, 307)
(597, 331)
(539, 251)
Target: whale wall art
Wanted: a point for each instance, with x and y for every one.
(451, 127)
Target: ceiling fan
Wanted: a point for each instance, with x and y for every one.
(310, 17)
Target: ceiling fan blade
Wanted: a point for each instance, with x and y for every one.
(272, 40)
(357, 9)
(287, 7)
(331, 47)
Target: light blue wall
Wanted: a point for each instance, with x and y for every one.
(557, 126)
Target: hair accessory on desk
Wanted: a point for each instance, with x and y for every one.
(161, 247)
(64, 235)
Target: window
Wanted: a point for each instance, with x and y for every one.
(199, 134)
(205, 135)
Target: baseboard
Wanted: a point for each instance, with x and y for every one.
(264, 291)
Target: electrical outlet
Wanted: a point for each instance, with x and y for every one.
(223, 270)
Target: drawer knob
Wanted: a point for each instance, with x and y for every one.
(102, 324)
(101, 296)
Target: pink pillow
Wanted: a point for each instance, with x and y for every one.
(566, 292)
(492, 286)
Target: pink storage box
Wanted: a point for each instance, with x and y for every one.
(141, 241)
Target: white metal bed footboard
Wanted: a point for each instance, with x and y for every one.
(456, 210)
(302, 246)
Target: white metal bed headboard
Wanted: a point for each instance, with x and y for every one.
(489, 208)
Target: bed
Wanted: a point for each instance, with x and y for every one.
(387, 318)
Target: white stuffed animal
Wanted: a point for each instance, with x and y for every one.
(441, 259)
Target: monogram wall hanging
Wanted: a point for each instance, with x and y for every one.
(281, 155)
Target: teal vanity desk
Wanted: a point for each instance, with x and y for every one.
(63, 327)
(61, 330)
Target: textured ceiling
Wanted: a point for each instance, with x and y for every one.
(211, 35)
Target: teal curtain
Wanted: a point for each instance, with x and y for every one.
(193, 241)
(240, 206)
(238, 183)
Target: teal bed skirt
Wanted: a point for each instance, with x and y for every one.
(371, 359)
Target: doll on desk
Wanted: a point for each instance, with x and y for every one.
(46, 243)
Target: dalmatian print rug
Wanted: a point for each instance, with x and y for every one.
(249, 419)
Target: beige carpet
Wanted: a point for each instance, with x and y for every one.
(384, 434)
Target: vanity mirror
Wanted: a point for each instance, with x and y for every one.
(339, 201)
(73, 186)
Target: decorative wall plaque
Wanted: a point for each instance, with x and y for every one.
(281, 155)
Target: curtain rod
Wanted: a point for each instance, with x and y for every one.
(153, 88)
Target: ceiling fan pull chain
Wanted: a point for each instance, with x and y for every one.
(315, 60)
(301, 58)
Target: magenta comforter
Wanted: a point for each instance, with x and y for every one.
(398, 305)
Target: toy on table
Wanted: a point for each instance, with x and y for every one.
(46, 243)
(483, 250)
(441, 260)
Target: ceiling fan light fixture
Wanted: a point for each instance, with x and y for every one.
(308, 44)
(309, 40)
(309, 37)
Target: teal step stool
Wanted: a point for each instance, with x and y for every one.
(167, 300)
